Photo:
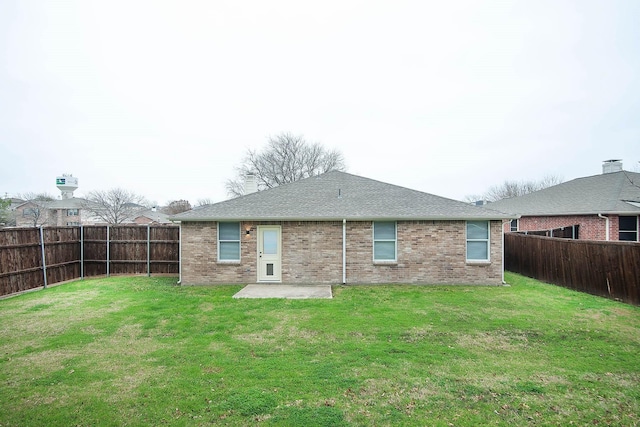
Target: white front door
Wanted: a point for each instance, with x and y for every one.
(269, 253)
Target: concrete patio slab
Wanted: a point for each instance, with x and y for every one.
(285, 291)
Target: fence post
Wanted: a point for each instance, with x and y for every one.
(148, 250)
(81, 252)
(107, 251)
(44, 262)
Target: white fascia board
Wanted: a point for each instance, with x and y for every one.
(378, 218)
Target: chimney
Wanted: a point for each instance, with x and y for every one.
(250, 183)
(610, 166)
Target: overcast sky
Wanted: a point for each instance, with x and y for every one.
(164, 98)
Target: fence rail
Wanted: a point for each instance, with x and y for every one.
(36, 257)
(608, 269)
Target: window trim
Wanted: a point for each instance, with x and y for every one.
(635, 231)
(487, 240)
(30, 212)
(394, 240)
(517, 223)
(239, 241)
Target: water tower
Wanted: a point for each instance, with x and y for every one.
(67, 184)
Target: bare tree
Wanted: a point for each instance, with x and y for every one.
(37, 209)
(204, 202)
(114, 206)
(177, 206)
(286, 158)
(509, 189)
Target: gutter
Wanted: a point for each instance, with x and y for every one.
(363, 218)
(606, 218)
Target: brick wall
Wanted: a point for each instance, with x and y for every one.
(592, 227)
(312, 252)
(199, 264)
(429, 252)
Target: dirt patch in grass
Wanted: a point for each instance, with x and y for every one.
(613, 379)
(37, 400)
(206, 307)
(494, 341)
(279, 336)
(39, 362)
(286, 331)
(53, 314)
(416, 334)
(127, 341)
(551, 380)
(386, 392)
(124, 358)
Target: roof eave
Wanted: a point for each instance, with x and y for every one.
(348, 218)
(603, 212)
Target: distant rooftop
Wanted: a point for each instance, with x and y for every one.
(608, 193)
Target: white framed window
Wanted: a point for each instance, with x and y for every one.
(478, 241)
(229, 241)
(384, 241)
(72, 212)
(28, 212)
(628, 228)
(513, 225)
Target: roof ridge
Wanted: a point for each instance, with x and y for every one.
(340, 195)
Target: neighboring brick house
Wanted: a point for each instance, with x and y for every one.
(341, 228)
(67, 210)
(63, 212)
(151, 216)
(599, 207)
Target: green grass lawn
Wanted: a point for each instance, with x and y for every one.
(140, 351)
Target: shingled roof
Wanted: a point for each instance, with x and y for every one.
(609, 193)
(336, 196)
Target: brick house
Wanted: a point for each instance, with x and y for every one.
(63, 212)
(341, 228)
(151, 216)
(67, 210)
(599, 207)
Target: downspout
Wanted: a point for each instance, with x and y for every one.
(344, 251)
(504, 222)
(606, 218)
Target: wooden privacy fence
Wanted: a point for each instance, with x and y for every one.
(37, 257)
(608, 269)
